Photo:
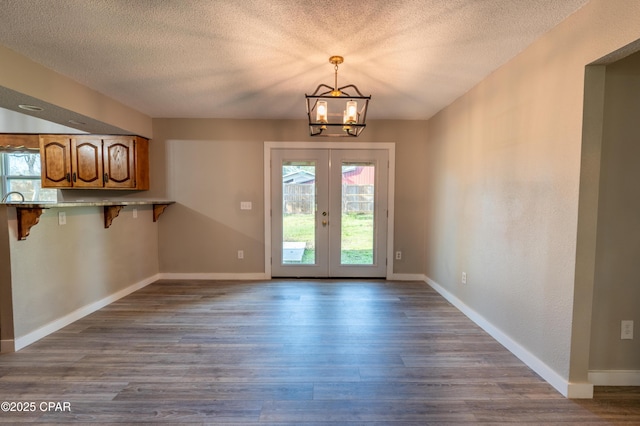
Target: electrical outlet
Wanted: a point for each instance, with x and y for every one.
(135, 213)
(240, 254)
(398, 255)
(62, 218)
(464, 278)
(626, 329)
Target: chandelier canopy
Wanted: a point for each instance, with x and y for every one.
(337, 111)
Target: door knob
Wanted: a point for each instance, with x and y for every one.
(325, 223)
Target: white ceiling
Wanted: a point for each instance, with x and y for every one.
(257, 58)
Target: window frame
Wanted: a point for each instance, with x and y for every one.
(5, 178)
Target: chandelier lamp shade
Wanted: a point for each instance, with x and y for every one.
(337, 111)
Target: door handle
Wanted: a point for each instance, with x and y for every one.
(325, 222)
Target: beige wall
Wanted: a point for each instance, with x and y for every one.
(208, 166)
(6, 309)
(502, 189)
(21, 75)
(59, 269)
(617, 268)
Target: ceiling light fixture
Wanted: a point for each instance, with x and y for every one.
(335, 112)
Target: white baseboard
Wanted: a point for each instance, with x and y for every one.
(32, 337)
(615, 377)
(406, 277)
(224, 276)
(562, 385)
(228, 276)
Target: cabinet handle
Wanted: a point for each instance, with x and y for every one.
(74, 176)
(68, 177)
(105, 178)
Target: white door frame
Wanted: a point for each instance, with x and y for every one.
(268, 146)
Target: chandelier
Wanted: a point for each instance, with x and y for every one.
(333, 111)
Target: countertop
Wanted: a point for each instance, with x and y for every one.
(53, 205)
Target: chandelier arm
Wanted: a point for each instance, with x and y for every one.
(323, 93)
(354, 88)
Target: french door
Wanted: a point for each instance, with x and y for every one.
(329, 212)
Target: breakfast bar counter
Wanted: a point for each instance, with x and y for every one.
(28, 214)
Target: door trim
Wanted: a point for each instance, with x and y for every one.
(268, 146)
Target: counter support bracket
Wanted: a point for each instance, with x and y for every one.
(158, 209)
(110, 213)
(27, 217)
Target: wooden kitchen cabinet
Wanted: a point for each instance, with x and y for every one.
(86, 162)
(94, 161)
(55, 161)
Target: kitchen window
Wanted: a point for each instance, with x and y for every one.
(20, 171)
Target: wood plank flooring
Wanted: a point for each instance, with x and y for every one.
(288, 352)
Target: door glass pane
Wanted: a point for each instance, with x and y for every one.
(358, 194)
(298, 212)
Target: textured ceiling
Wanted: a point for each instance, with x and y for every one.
(257, 58)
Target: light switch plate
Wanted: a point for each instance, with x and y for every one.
(626, 329)
(62, 218)
(245, 205)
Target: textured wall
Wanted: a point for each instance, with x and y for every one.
(502, 188)
(209, 166)
(59, 269)
(24, 76)
(6, 310)
(617, 270)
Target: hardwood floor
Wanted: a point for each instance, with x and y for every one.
(288, 352)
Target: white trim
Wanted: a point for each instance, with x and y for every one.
(391, 207)
(267, 207)
(578, 390)
(406, 277)
(329, 145)
(562, 385)
(614, 377)
(213, 276)
(53, 326)
(389, 146)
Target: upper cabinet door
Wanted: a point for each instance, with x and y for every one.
(119, 162)
(55, 157)
(86, 153)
